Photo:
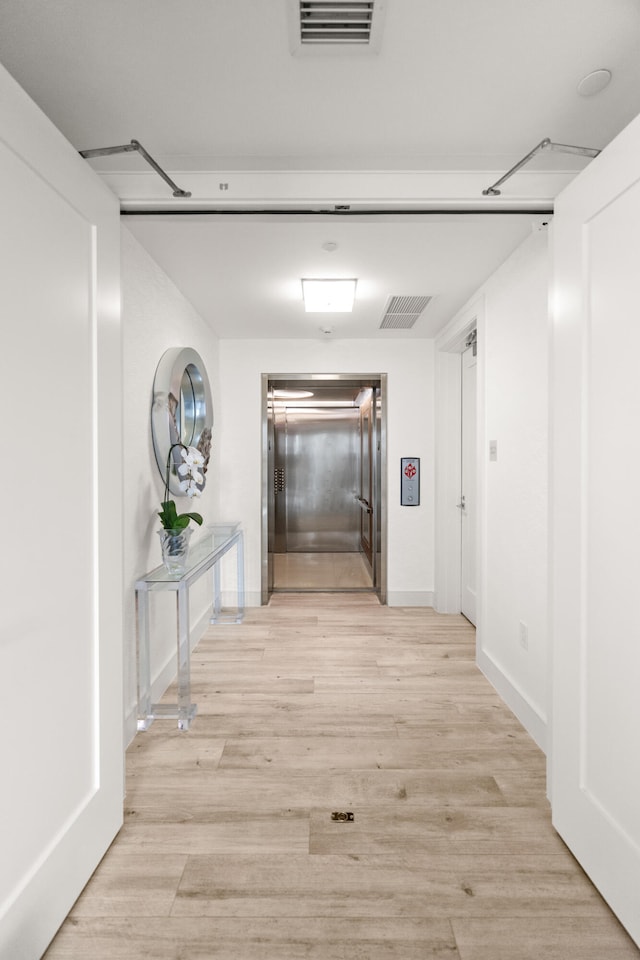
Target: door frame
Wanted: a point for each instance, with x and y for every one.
(380, 521)
(469, 597)
(367, 519)
(448, 460)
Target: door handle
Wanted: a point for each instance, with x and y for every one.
(364, 504)
(462, 505)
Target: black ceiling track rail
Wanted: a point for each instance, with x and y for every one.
(163, 212)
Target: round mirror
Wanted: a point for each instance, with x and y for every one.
(181, 413)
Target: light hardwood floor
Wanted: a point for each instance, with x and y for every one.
(321, 571)
(322, 703)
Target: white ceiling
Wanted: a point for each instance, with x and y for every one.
(213, 86)
(243, 274)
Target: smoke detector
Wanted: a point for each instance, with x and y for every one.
(327, 27)
(594, 82)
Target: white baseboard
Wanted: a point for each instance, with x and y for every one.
(529, 715)
(410, 598)
(442, 605)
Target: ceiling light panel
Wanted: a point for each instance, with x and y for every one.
(328, 296)
(292, 394)
(402, 312)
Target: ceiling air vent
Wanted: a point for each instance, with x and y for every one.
(402, 312)
(340, 21)
(333, 26)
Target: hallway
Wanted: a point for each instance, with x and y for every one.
(321, 703)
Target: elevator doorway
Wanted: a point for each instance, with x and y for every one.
(323, 489)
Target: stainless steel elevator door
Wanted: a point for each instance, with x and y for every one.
(322, 473)
(366, 478)
(312, 483)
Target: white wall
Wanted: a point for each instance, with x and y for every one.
(409, 366)
(155, 317)
(511, 310)
(514, 513)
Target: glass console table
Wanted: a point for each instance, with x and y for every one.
(205, 553)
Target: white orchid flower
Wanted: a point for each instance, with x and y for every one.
(191, 489)
(188, 470)
(192, 457)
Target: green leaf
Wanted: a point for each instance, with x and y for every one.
(169, 508)
(168, 514)
(173, 521)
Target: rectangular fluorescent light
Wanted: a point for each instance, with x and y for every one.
(328, 296)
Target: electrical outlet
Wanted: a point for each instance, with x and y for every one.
(523, 635)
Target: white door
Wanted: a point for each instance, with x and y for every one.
(60, 561)
(468, 495)
(595, 517)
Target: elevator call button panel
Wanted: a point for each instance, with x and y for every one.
(410, 481)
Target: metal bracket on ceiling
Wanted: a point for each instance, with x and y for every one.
(545, 144)
(129, 148)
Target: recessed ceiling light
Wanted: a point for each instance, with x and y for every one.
(328, 296)
(594, 82)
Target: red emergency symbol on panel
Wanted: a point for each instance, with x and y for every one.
(410, 471)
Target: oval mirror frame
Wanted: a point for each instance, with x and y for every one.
(181, 412)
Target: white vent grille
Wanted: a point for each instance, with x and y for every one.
(336, 21)
(402, 312)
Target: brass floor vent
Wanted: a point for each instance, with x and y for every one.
(402, 312)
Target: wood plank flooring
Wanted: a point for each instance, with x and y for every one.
(322, 703)
(320, 571)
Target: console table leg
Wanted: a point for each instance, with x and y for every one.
(217, 596)
(240, 561)
(186, 709)
(216, 614)
(145, 710)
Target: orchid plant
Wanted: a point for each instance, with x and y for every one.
(190, 485)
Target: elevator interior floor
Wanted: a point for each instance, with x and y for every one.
(321, 571)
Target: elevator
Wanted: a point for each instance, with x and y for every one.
(323, 483)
